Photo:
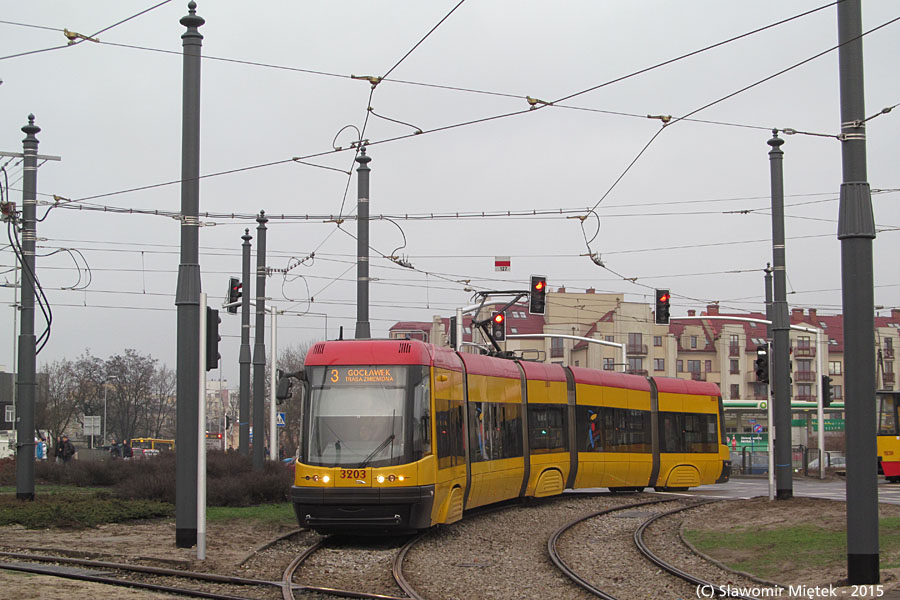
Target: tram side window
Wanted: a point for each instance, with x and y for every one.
(887, 409)
(671, 432)
(700, 433)
(449, 421)
(626, 430)
(496, 431)
(547, 428)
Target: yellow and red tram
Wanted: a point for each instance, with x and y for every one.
(400, 435)
(887, 402)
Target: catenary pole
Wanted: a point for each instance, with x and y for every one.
(187, 293)
(244, 357)
(273, 431)
(781, 329)
(362, 247)
(769, 408)
(856, 230)
(259, 348)
(26, 372)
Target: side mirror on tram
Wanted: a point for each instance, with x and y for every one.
(285, 387)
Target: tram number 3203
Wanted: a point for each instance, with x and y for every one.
(353, 474)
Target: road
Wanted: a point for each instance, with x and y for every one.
(832, 489)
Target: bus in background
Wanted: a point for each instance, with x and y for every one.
(146, 447)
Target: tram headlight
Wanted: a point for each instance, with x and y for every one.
(400, 477)
(380, 479)
(326, 478)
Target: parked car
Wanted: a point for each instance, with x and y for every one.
(832, 461)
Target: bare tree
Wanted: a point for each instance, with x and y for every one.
(161, 404)
(87, 390)
(131, 388)
(291, 360)
(55, 410)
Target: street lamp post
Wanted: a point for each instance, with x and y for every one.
(105, 390)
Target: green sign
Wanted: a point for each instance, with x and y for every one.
(830, 424)
(756, 441)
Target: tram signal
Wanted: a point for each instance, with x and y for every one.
(826, 391)
(235, 291)
(212, 338)
(538, 303)
(498, 326)
(662, 307)
(762, 363)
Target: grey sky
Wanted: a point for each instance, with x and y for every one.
(114, 115)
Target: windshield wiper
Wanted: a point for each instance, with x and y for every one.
(380, 447)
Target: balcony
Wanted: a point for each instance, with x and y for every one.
(804, 375)
(637, 372)
(697, 376)
(806, 398)
(889, 352)
(734, 350)
(760, 396)
(804, 351)
(636, 348)
(888, 378)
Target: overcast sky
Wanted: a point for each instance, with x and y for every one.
(113, 113)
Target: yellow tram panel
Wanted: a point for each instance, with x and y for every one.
(547, 392)
(540, 482)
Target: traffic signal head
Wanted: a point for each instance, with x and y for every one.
(498, 326)
(826, 391)
(538, 303)
(235, 291)
(662, 307)
(762, 363)
(212, 338)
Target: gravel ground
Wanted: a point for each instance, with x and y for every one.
(496, 555)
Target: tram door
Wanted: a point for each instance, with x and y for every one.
(449, 436)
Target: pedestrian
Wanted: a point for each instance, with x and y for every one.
(38, 449)
(127, 452)
(114, 450)
(58, 450)
(68, 449)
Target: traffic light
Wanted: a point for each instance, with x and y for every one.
(662, 307)
(235, 291)
(762, 363)
(498, 326)
(538, 304)
(212, 338)
(826, 391)
(453, 340)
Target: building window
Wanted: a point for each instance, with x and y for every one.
(708, 366)
(735, 391)
(679, 366)
(803, 342)
(759, 390)
(468, 330)
(805, 392)
(577, 364)
(735, 366)
(556, 348)
(659, 364)
(693, 341)
(657, 340)
(10, 413)
(834, 367)
(804, 366)
(610, 338)
(734, 345)
(693, 366)
(635, 364)
(609, 364)
(837, 392)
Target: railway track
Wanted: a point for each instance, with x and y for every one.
(611, 584)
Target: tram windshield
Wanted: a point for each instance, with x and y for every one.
(356, 413)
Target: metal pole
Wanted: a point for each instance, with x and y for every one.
(105, 392)
(244, 357)
(259, 348)
(362, 247)
(769, 415)
(856, 230)
(820, 406)
(201, 438)
(273, 440)
(459, 328)
(26, 376)
(781, 329)
(187, 293)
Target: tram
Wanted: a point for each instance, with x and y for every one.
(400, 435)
(886, 402)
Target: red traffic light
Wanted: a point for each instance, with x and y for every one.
(664, 297)
(539, 285)
(498, 318)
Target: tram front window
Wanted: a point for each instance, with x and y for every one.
(887, 414)
(356, 415)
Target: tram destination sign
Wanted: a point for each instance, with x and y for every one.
(353, 375)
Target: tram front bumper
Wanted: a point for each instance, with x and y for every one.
(395, 510)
